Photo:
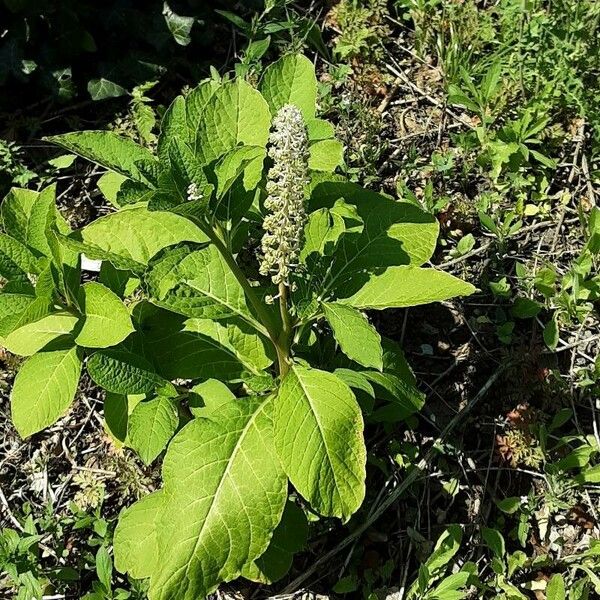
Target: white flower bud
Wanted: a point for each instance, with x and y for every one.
(193, 193)
(288, 179)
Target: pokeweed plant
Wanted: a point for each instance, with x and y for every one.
(226, 323)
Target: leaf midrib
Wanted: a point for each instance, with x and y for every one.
(234, 452)
(321, 432)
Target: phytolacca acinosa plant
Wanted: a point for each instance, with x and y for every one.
(239, 396)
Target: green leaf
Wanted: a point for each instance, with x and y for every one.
(110, 150)
(197, 282)
(319, 129)
(123, 372)
(525, 308)
(325, 227)
(403, 397)
(106, 319)
(173, 126)
(131, 237)
(394, 233)
(32, 337)
(346, 585)
(17, 310)
(195, 103)
(288, 538)
(252, 350)
(326, 155)
(133, 192)
(451, 587)
(235, 115)
(357, 338)
(109, 184)
(12, 305)
(100, 89)
(551, 333)
(26, 215)
(356, 380)
(233, 164)
(151, 425)
(256, 49)
(16, 260)
(319, 439)
(208, 395)
(104, 567)
(135, 540)
(44, 389)
(199, 348)
(509, 505)
(121, 282)
(179, 26)
(494, 540)
(588, 475)
(64, 161)
(446, 547)
(394, 361)
(116, 416)
(402, 286)
(186, 169)
(225, 492)
(555, 590)
(290, 80)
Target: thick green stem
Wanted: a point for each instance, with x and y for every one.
(262, 313)
(286, 334)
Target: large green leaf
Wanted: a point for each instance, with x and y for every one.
(135, 541)
(44, 389)
(225, 492)
(32, 337)
(398, 287)
(106, 319)
(394, 233)
(109, 150)
(319, 439)
(17, 310)
(16, 260)
(197, 283)
(291, 80)
(173, 126)
(13, 304)
(195, 104)
(131, 237)
(199, 348)
(357, 338)
(324, 229)
(326, 155)
(288, 538)
(209, 395)
(235, 115)
(26, 215)
(123, 372)
(250, 349)
(319, 129)
(233, 164)
(150, 427)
